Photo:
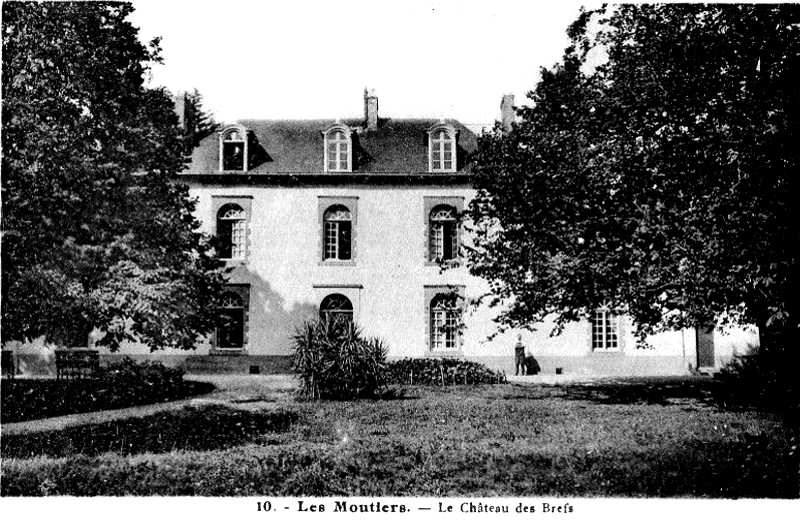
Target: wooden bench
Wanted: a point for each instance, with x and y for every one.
(8, 366)
(77, 363)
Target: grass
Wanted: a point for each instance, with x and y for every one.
(635, 439)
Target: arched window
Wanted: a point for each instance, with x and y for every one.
(336, 308)
(337, 234)
(442, 150)
(443, 234)
(230, 323)
(233, 150)
(232, 232)
(445, 316)
(605, 330)
(338, 151)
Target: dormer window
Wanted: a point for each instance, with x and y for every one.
(233, 150)
(338, 149)
(442, 149)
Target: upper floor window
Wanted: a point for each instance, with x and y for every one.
(445, 318)
(337, 232)
(605, 330)
(231, 322)
(443, 234)
(338, 150)
(442, 149)
(233, 150)
(232, 232)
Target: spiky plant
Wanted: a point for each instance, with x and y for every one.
(333, 360)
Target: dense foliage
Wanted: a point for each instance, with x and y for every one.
(118, 385)
(333, 360)
(442, 372)
(94, 233)
(766, 381)
(655, 171)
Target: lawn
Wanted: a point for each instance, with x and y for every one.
(640, 438)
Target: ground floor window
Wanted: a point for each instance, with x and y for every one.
(336, 309)
(445, 317)
(231, 322)
(605, 330)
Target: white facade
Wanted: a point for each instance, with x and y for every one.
(389, 283)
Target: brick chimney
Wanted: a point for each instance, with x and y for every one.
(508, 114)
(371, 109)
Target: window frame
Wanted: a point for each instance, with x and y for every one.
(242, 292)
(444, 324)
(430, 204)
(245, 202)
(344, 145)
(342, 216)
(237, 243)
(433, 294)
(325, 312)
(325, 203)
(224, 140)
(351, 291)
(443, 234)
(438, 145)
(605, 324)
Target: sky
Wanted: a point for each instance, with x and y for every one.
(303, 59)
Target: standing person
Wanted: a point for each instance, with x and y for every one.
(519, 355)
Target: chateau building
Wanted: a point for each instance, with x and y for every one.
(362, 218)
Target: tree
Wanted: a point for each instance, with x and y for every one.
(94, 233)
(661, 181)
(198, 122)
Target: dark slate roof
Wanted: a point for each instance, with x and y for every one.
(296, 147)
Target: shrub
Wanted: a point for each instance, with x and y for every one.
(334, 361)
(145, 376)
(207, 427)
(444, 371)
(121, 384)
(763, 380)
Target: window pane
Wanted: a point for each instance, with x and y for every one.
(436, 240)
(605, 330)
(344, 240)
(230, 329)
(450, 329)
(449, 241)
(237, 239)
(225, 235)
(436, 330)
(233, 156)
(331, 236)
